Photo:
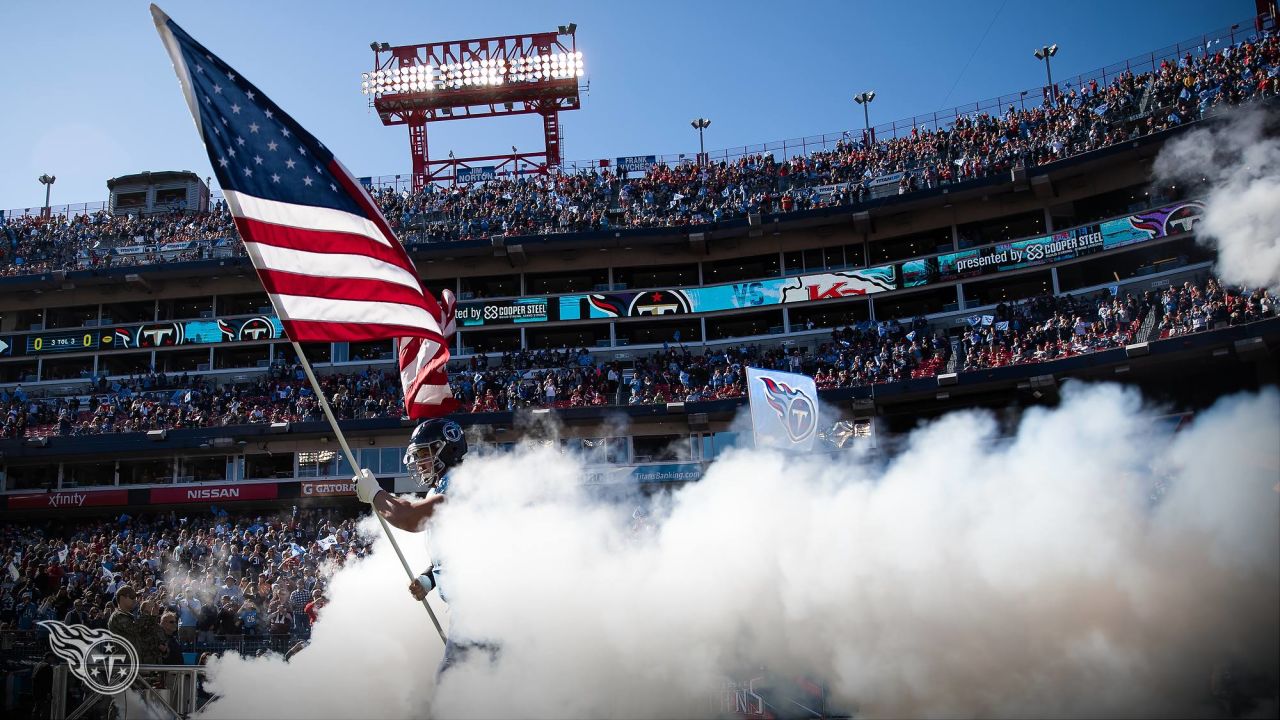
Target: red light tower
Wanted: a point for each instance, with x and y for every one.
(488, 77)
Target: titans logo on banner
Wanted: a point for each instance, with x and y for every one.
(784, 409)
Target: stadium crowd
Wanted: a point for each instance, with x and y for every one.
(1038, 329)
(204, 582)
(155, 401)
(30, 244)
(1048, 327)
(1076, 121)
(1196, 307)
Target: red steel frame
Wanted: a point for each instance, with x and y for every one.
(546, 98)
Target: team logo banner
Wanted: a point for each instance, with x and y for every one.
(784, 409)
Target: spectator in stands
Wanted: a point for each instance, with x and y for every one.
(299, 598)
(313, 608)
(173, 649)
(1082, 119)
(142, 630)
(249, 618)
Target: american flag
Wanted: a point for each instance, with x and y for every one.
(426, 385)
(331, 265)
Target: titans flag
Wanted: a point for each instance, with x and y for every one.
(784, 409)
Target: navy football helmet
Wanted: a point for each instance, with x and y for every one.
(435, 446)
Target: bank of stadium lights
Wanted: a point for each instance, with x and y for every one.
(864, 99)
(1044, 53)
(472, 73)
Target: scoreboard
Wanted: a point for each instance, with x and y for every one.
(64, 342)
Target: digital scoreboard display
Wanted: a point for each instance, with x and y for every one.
(63, 342)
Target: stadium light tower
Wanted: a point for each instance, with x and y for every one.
(535, 73)
(701, 124)
(47, 181)
(864, 99)
(1045, 53)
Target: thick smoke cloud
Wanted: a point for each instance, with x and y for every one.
(1241, 161)
(1093, 565)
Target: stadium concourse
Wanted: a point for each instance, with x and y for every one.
(157, 430)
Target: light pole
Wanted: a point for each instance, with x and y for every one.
(864, 99)
(47, 181)
(1044, 54)
(701, 124)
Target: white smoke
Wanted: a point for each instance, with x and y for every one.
(373, 652)
(972, 576)
(1240, 159)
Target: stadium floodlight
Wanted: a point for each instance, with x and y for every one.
(1044, 53)
(47, 180)
(701, 124)
(533, 73)
(864, 99)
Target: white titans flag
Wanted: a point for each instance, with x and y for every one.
(784, 409)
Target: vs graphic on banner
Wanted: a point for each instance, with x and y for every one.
(784, 409)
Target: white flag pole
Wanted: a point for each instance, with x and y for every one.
(351, 458)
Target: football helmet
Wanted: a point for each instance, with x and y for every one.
(435, 446)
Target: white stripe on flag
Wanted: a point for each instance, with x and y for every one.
(426, 351)
(299, 307)
(430, 394)
(304, 217)
(448, 313)
(335, 265)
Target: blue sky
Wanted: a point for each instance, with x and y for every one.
(90, 93)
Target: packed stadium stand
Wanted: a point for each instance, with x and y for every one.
(156, 423)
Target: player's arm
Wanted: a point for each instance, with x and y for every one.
(410, 515)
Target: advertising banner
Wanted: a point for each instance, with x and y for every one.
(214, 493)
(327, 488)
(643, 474)
(68, 499)
(784, 409)
(1066, 245)
(729, 296)
(503, 312)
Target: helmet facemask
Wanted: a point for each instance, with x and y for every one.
(424, 464)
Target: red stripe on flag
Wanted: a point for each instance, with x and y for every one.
(318, 331)
(286, 283)
(321, 241)
(371, 211)
(426, 373)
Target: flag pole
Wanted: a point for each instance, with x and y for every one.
(351, 458)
